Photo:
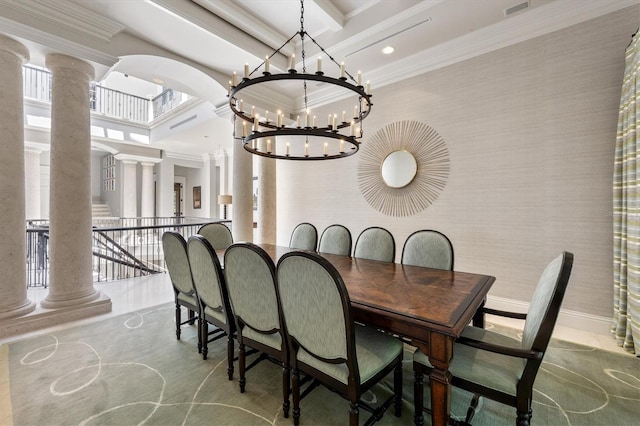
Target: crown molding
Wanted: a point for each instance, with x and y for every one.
(56, 44)
(518, 28)
(180, 156)
(67, 15)
(134, 159)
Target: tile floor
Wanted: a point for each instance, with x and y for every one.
(138, 293)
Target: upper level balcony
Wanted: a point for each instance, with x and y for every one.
(106, 101)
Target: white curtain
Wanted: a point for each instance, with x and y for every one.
(626, 208)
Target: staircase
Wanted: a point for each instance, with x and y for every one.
(100, 210)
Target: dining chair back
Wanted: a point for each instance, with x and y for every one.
(304, 237)
(251, 280)
(218, 235)
(325, 342)
(375, 243)
(335, 239)
(213, 297)
(496, 366)
(176, 258)
(428, 248)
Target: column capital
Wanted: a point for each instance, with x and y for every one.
(56, 61)
(136, 158)
(10, 45)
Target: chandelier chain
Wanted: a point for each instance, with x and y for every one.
(257, 134)
(303, 53)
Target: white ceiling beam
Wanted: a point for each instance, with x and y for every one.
(336, 18)
(245, 22)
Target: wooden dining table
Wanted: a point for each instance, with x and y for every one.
(430, 307)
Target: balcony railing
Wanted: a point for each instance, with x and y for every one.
(114, 103)
(122, 248)
(109, 102)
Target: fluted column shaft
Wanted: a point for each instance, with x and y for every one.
(71, 278)
(267, 212)
(242, 211)
(129, 188)
(146, 206)
(32, 183)
(13, 286)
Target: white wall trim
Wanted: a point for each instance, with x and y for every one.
(567, 318)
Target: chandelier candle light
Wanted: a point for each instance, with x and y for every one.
(304, 139)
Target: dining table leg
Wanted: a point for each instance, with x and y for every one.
(440, 356)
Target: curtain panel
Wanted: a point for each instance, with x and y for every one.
(626, 208)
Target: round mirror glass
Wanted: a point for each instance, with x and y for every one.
(399, 168)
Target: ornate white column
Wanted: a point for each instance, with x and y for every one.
(242, 211)
(70, 246)
(129, 192)
(267, 213)
(32, 183)
(13, 285)
(147, 190)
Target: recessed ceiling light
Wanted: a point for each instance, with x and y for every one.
(157, 80)
(388, 50)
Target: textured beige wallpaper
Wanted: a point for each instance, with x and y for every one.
(531, 132)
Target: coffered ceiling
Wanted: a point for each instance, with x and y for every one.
(195, 45)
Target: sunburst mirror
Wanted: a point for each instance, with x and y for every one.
(403, 168)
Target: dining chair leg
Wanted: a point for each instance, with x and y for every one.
(230, 346)
(241, 366)
(296, 397)
(204, 337)
(523, 407)
(178, 321)
(397, 388)
(478, 317)
(354, 413)
(418, 394)
(286, 389)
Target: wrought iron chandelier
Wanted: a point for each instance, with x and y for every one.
(303, 139)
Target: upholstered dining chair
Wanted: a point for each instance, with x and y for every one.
(375, 243)
(213, 298)
(251, 275)
(218, 234)
(498, 367)
(335, 239)
(174, 247)
(325, 343)
(428, 248)
(304, 237)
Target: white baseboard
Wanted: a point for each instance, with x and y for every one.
(570, 319)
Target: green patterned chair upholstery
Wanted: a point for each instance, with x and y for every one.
(498, 367)
(218, 234)
(428, 248)
(335, 239)
(376, 244)
(213, 298)
(177, 260)
(251, 280)
(324, 341)
(304, 237)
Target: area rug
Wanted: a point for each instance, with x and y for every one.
(131, 370)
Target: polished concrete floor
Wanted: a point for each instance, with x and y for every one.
(138, 293)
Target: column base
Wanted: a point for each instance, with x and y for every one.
(62, 302)
(43, 317)
(27, 307)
